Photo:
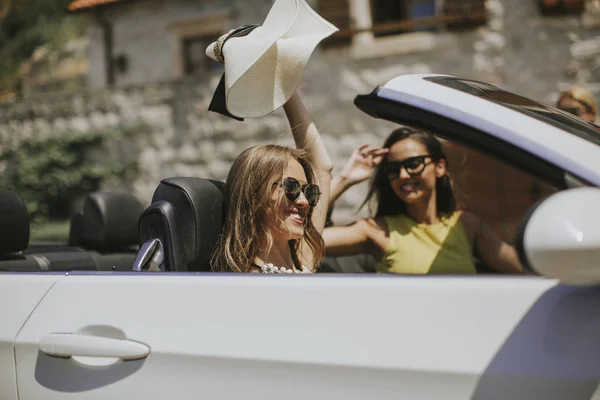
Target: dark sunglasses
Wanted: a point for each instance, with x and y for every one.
(414, 166)
(571, 110)
(292, 189)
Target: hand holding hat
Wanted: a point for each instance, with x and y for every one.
(264, 64)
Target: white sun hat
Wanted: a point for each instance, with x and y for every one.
(264, 67)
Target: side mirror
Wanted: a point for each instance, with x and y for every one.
(150, 258)
(560, 237)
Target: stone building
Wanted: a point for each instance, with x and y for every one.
(536, 47)
(147, 64)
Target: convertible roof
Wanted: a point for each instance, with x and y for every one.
(551, 134)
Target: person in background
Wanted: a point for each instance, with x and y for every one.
(578, 101)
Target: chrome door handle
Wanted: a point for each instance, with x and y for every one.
(68, 345)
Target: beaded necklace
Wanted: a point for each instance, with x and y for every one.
(269, 268)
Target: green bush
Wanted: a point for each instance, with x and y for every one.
(51, 173)
(51, 232)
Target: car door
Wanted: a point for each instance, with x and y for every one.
(19, 295)
(170, 335)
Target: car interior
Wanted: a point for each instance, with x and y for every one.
(103, 236)
(185, 216)
(180, 229)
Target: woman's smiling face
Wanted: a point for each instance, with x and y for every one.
(289, 218)
(418, 187)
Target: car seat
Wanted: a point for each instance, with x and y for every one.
(180, 229)
(108, 223)
(14, 233)
(14, 241)
(106, 229)
(355, 264)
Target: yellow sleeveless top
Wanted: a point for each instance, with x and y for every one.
(414, 248)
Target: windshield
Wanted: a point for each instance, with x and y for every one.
(550, 115)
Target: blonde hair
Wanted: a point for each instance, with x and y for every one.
(248, 191)
(580, 94)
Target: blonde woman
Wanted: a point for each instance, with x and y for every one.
(276, 203)
(578, 101)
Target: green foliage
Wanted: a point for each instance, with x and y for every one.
(51, 232)
(29, 24)
(50, 173)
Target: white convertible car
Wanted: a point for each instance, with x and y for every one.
(187, 334)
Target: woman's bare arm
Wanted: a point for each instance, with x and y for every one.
(366, 236)
(307, 137)
(345, 240)
(493, 251)
(359, 167)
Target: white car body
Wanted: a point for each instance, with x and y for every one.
(207, 335)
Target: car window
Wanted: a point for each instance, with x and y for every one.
(550, 115)
(495, 191)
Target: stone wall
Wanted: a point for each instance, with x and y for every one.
(518, 49)
(182, 137)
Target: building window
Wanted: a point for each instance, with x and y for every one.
(362, 22)
(190, 38)
(194, 57)
(561, 7)
(390, 11)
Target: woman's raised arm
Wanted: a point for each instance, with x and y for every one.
(307, 138)
(359, 167)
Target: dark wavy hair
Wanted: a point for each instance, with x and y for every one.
(387, 201)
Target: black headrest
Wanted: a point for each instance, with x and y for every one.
(109, 221)
(76, 229)
(191, 214)
(14, 223)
